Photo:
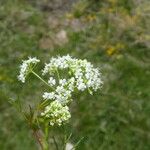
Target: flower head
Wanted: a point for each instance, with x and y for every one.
(26, 67)
(56, 114)
(57, 63)
(49, 96)
(84, 74)
(51, 81)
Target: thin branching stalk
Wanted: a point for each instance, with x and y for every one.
(41, 79)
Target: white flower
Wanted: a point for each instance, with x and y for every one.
(47, 68)
(60, 89)
(51, 81)
(78, 73)
(56, 113)
(49, 96)
(57, 63)
(71, 84)
(63, 95)
(81, 86)
(26, 67)
(62, 81)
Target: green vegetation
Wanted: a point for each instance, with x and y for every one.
(113, 34)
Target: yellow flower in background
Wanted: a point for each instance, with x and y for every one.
(90, 17)
(114, 49)
(111, 50)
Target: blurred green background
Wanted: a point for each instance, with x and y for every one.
(112, 34)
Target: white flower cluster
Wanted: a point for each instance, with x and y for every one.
(85, 75)
(56, 114)
(47, 95)
(26, 67)
(57, 63)
(81, 76)
(63, 91)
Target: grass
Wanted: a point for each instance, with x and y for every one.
(115, 118)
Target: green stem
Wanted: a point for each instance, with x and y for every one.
(46, 131)
(45, 145)
(56, 145)
(41, 79)
(64, 138)
(58, 74)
